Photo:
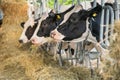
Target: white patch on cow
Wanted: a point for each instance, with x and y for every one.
(67, 15)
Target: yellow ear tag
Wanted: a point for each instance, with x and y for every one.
(58, 17)
(94, 14)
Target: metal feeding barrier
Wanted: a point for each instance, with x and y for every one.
(108, 17)
(80, 54)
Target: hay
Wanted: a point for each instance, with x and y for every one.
(112, 72)
(14, 12)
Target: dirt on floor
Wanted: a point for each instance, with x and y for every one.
(25, 62)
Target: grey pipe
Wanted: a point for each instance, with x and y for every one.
(111, 25)
(116, 10)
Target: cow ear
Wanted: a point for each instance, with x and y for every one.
(22, 24)
(95, 11)
(92, 3)
(51, 13)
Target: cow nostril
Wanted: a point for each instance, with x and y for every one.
(20, 41)
(33, 40)
(52, 34)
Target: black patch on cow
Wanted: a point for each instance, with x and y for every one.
(30, 30)
(51, 22)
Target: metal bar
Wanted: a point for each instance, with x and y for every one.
(111, 24)
(102, 22)
(106, 28)
(116, 10)
(94, 3)
(59, 53)
(78, 1)
(73, 2)
(112, 21)
(56, 6)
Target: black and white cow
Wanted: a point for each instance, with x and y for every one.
(29, 28)
(77, 28)
(50, 23)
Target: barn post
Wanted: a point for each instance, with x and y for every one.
(109, 25)
(73, 2)
(102, 22)
(116, 10)
(111, 20)
(78, 1)
(56, 6)
(106, 27)
(94, 3)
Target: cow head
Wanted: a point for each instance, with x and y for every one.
(28, 30)
(47, 25)
(75, 26)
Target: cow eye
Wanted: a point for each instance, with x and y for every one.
(42, 29)
(22, 24)
(73, 29)
(73, 20)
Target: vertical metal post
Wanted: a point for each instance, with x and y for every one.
(73, 2)
(78, 1)
(109, 22)
(94, 4)
(116, 10)
(102, 22)
(112, 21)
(56, 6)
(106, 27)
(85, 4)
(59, 53)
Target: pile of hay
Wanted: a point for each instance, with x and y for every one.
(112, 72)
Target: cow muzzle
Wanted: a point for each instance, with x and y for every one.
(56, 35)
(33, 40)
(52, 34)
